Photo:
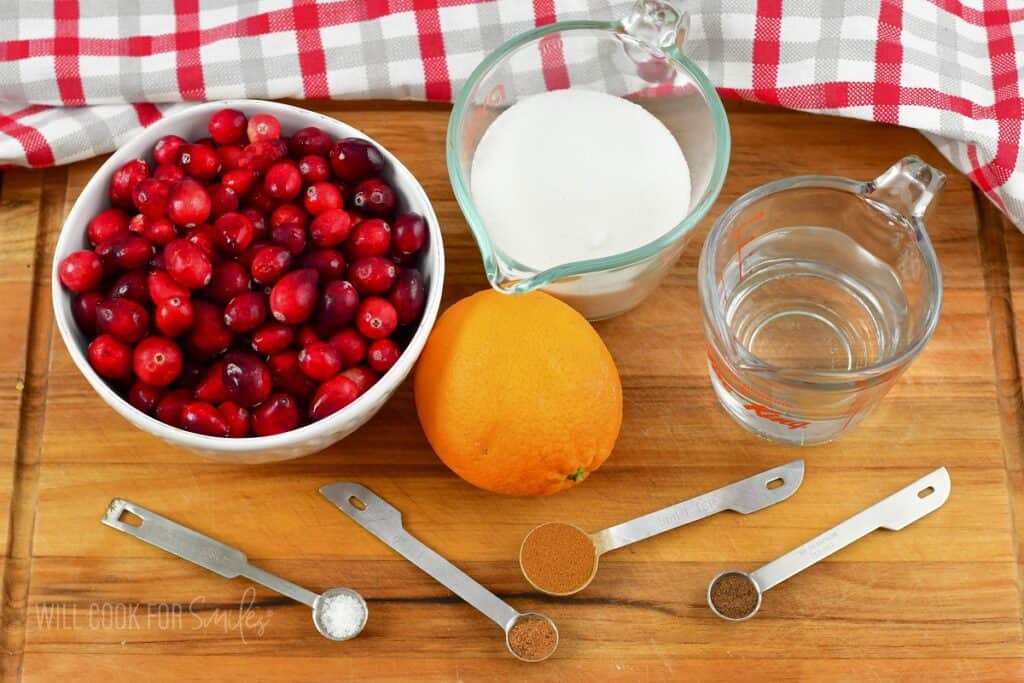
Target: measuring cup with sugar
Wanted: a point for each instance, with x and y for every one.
(817, 293)
(736, 596)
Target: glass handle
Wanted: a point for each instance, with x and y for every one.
(909, 187)
(660, 24)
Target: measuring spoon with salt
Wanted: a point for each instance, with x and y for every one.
(230, 563)
(735, 596)
(555, 573)
(384, 521)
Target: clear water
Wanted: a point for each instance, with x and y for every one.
(812, 298)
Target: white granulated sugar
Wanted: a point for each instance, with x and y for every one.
(342, 615)
(576, 174)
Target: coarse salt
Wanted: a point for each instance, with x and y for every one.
(342, 615)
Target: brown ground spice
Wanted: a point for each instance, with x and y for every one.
(558, 558)
(532, 638)
(734, 595)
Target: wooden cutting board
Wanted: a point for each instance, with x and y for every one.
(940, 600)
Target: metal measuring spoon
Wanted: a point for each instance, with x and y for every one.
(894, 513)
(221, 559)
(746, 496)
(384, 521)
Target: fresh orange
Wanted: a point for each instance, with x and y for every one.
(517, 394)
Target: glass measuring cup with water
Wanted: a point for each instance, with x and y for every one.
(817, 293)
(639, 59)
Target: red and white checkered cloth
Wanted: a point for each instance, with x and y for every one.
(69, 69)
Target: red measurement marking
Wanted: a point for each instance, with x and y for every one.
(742, 239)
(774, 416)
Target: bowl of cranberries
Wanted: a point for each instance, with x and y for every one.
(248, 279)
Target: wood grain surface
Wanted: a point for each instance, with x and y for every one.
(940, 600)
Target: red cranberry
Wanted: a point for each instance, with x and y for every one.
(355, 158)
(270, 263)
(81, 271)
(319, 361)
(372, 275)
(229, 280)
(203, 418)
(203, 236)
(294, 296)
(409, 235)
(336, 307)
(83, 308)
(160, 231)
(287, 376)
(246, 378)
(320, 197)
(106, 224)
(332, 396)
(209, 334)
(363, 376)
(259, 200)
(211, 384)
(167, 149)
(292, 236)
(188, 204)
(376, 318)
(157, 361)
(239, 181)
(309, 140)
(374, 196)
(187, 264)
(278, 414)
(371, 237)
(330, 228)
(222, 200)
(110, 358)
(174, 316)
(170, 407)
(227, 126)
(237, 418)
(350, 345)
(124, 251)
(283, 181)
(328, 262)
(306, 335)
(314, 169)
(230, 156)
(383, 354)
(259, 223)
(124, 181)
(206, 142)
(260, 156)
(288, 213)
(150, 197)
(168, 173)
(246, 312)
(124, 319)
(145, 397)
(132, 285)
(272, 338)
(263, 127)
(191, 372)
(199, 161)
(234, 233)
(408, 296)
(163, 287)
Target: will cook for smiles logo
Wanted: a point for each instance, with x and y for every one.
(247, 620)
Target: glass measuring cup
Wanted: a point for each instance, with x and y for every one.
(817, 293)
(638, 58)
(896, 512)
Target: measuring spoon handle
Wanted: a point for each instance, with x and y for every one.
(197, 548)
(746, 496)
(902, 508)
(384, 521)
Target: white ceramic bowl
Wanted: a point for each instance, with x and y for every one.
(191, 124)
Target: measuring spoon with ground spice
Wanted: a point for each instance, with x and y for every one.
(561, 559)
(735, 596)
(529, 636)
